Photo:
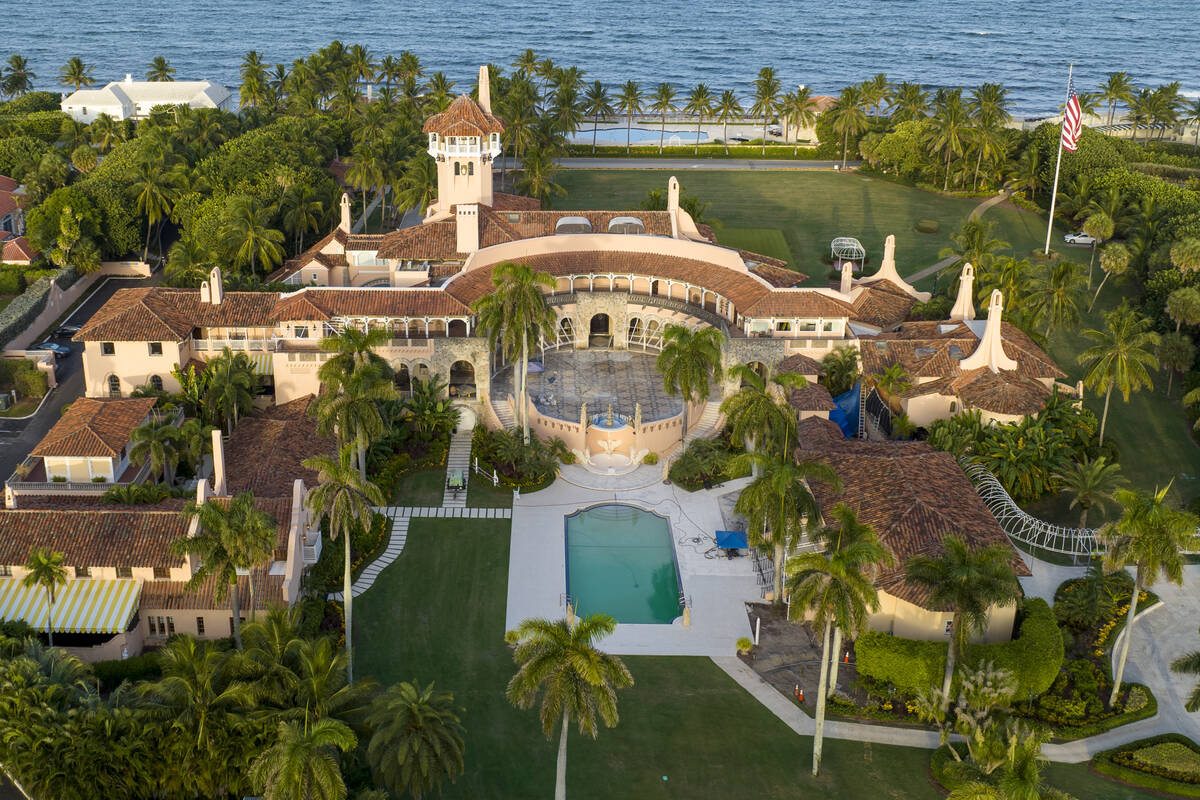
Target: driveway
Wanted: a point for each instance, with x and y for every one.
(19, 436)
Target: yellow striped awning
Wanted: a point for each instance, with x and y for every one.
(82, 605)
(261, 363)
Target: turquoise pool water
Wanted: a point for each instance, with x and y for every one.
(621, 562)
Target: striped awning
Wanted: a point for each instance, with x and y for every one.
(82, 605)
(261, 363)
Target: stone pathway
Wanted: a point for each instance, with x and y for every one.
(709, 423)
(458, 458)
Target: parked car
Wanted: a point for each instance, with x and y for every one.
(1079, 238)
(738, 139)
(70, 329)
(59, 350)
(775, 131)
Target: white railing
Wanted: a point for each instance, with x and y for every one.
(1025, 528)
(217, 345)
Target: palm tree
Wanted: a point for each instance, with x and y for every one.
(514, 317)
(560, 662)
(688, 361)
(1185, 254)
(840, 370)
(1193, 118)
(350, 407)
(160, 69)
(1140, 108)
(1091, 483)
(1176, 353)
(345, 499)
(1121, 357)
(973, 244)
(302, 212)
(662, 101)
(727, 108)
(154, 194)
(1189, 665)
(876, 91)
(302, 762)
(76, 74)
(538, 170)
(1117, 88)
(17, 77)
(1099, 226)
(766, 99)
(777, 503)
(230, 536)
(629, 102)
(418, 184)
(1150, 536)
(892, 382)
(596, 104)
(910, 102)
(948, 130)
(1183, 307)
(1114, 260)
(416, 739)
(754, 412)
(249, 237)
(970, 582)
(835, 587)
(157, 441)
(700, 104)
(352, 349)
(230, 387)
(799, 109)
(1055, 294)
(45, 569)
(195, 441)
(847, 117)
(1010, 275)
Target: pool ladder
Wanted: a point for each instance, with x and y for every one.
(567, 603)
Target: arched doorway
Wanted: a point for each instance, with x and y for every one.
(402, 378)
(634, 336)
(462, 379)
(458, 327)
(600, 331)
(759, 369)
(566, 332)
(114, 386)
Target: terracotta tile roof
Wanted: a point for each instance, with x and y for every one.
(740, 288)
(813, 397)
(175, 596)
(93, 538)
(1002, 392)
(313, 253)
(159, 313)
(364, 241)
(800, 363)
(913, 496)
(16, 249)
(882, 304)
(776, 274)
(429, 241)
(933, 349)
(8, 184)
(796, 303)
(502, 201)
(464, 117)
(264, 454)
(314, 304)
(97, 428)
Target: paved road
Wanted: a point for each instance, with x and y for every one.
(18, 437)
(688, 163)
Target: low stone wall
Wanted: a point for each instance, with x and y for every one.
(59, 300)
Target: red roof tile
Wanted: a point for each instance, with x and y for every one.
(159, 313)
(464, 117)
(96, 428)
(314, 304)
(92, 538)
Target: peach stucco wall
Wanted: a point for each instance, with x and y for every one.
(910, 621)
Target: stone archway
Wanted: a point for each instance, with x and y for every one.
(462, 379)
(458, 327)
(759, 369)
(600, 331)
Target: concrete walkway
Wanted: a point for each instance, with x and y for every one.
(458, 458)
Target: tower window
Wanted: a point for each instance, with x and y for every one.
(456, 169)
(470, 167)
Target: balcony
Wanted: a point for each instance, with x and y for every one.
(236, 345)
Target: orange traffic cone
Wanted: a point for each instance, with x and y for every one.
(846, 658)
(799, 694)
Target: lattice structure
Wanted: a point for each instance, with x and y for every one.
(847, 248)
(1025, 528)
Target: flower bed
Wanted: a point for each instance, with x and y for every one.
(1166, 763)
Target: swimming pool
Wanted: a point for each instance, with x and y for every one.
(621, 562)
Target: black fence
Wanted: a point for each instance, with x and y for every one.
(878, 410)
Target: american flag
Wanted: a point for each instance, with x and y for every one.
(1072, 127)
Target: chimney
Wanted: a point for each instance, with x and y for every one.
(216, 292)
(485, 90)
(847, 277)
(467, 226)
(673, 205)
(128, 79)
(964, 305)
(345, 223)
(990, 352)
(205, 294)
(218, 456)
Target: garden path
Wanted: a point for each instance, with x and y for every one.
(945, 262)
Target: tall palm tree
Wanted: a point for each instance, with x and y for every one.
(16, 78)
(249, 236)
(350, 408)
(514, 317)
(973, 244)
(1192, 117)
(45, 569)
(230, 387)
(948, 131)
(629, 103)
(1114, 260)
(418, 184)
(76, 74)
(160, 69)
(847, 117)
(195, 441)
(1055, 294)
(1117, 88)
(1189, 665)
(231, 535)
(970, 582)
(1140, 110)
(755, 413)
(352, 349)
(1176, 353)
(727, 108)
(1099, 226)
(688, 361)
(302, 762)
(1183, 307)
(835, 588)
(910, 102)
(662, 101)
(700, 104)
(1091, 483)
(777, 502)
(877, 92)
(596, 104)
(345, 499)
(561, 662)
(158, 442)
(302, 212)
(1120, 358)
(154, 193)
(799, 109)
(416, 739)
(538, 170)
(766, 99)
(1150, 536)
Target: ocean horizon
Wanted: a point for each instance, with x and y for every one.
(1024, 44)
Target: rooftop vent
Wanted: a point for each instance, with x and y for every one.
(956, 352)
(947, 327)
(573, 225)
(924, 352)
(626, 225)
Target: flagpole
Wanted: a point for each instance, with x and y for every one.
(1057, 167)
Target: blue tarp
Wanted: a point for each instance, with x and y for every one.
(536, 366)
(847, 411)
(731, 540)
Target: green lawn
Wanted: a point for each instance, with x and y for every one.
(437, 614)
(809, 208)
(421, 488)
(767, 241)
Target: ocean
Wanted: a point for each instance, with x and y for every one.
(1024, 44)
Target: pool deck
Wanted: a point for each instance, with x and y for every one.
(718, 587)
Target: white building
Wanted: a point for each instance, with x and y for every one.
(132, 99)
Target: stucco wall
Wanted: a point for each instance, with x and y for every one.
(132, 364)
(910, 621)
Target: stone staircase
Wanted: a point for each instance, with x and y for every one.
(504, 413)
(707, 426)
(459, 457)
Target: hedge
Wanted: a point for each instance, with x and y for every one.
(18, 315)
(1073, 733)
(31, 102)
(1034, 657)
(112, 674)
(44, 125)
(1106, 763)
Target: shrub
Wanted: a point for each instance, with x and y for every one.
(326, 575)
(112, 674)
(1167, 763)
(650, 458)
(30, 102)
(15, 628)
(927, 226)
(907, 664)
(705, 461)
(23, 310)
(935, 308)
(11, 280)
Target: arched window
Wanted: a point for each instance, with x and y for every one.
(114, 386)
(470, 167)
(156, 383)
(457, 169)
